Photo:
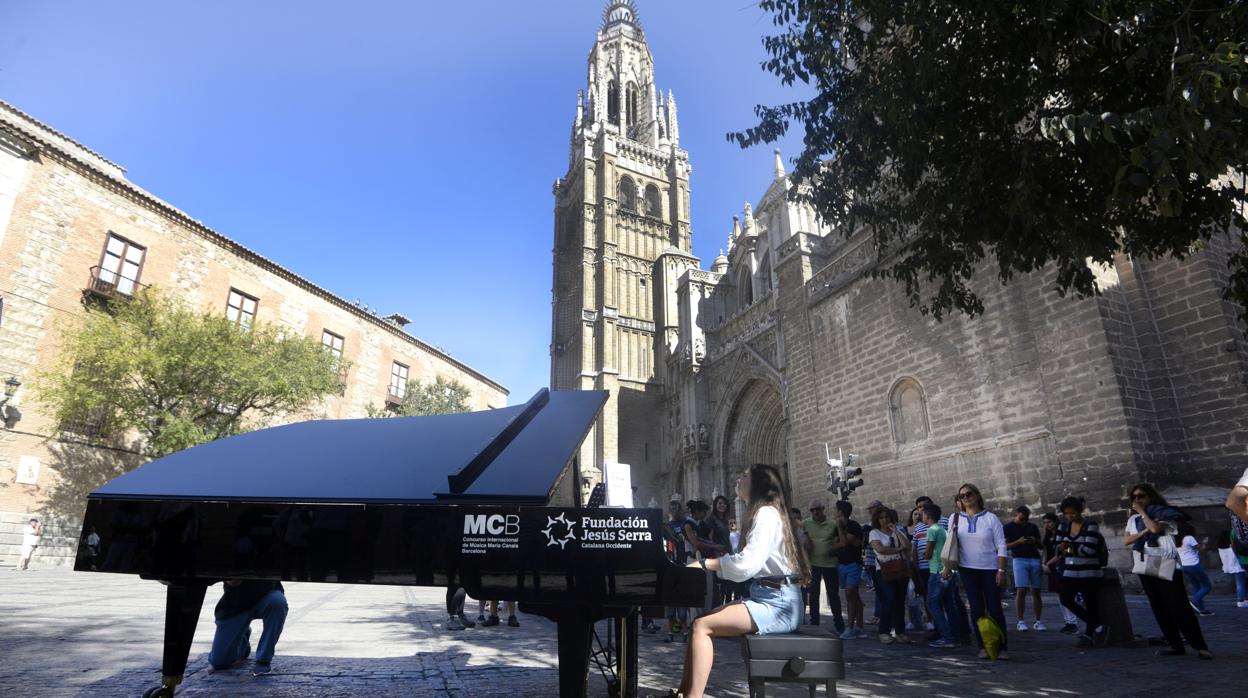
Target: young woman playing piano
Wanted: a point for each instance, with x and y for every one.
(770, 559)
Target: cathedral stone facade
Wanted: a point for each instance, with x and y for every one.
(622, 241)
(787, 346)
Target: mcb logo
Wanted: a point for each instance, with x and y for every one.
(496, 524)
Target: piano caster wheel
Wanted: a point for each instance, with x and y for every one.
(159, 692)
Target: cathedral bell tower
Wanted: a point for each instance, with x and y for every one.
(621, 210)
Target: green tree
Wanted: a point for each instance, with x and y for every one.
(1029, 132)
(441, 396)
(178, 377)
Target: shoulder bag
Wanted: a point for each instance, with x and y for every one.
(897, 568)
(949, 554)
(1161, 560)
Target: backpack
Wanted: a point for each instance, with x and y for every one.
(1239, 537)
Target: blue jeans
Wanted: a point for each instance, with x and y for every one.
(231, 643)
(1241, 587)
(1201, 584)
(985, 598)
(940, 602)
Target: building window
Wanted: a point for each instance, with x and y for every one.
(630, 105)
(398, 382)
(120, 265)
(241, 308)
(654, 206)
(91, 424)
(613, 102)
(628, 194)
(908, 411)
(332, 344)
(746, 290)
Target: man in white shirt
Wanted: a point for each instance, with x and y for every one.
(31, 536)
(1237, 500)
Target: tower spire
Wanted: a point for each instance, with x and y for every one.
(620, 12)
(779, 165)
(673, 127)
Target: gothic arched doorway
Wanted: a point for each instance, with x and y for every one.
(755, 431)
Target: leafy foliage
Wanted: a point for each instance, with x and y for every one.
(441, 396)
(178, 377)
(1034, 132)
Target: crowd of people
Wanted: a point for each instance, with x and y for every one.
(781, 565)
(944, 573)
(923, 564)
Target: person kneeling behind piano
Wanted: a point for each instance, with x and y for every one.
(243, 602)
(774, 563)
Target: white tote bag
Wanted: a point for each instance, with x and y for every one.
(1161, 560)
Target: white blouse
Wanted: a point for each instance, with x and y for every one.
(763, 554)
(981, 540)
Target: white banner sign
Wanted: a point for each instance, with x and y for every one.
(27, 470)
(619, 479)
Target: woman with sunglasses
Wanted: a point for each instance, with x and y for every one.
(772, 558)
(981, 561)
(1152, 517)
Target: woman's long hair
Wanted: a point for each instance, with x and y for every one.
(727, 508)
(1149, 491)
(767, 489)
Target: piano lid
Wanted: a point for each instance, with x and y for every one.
(510, 454)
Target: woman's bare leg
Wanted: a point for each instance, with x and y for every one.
(732, 620)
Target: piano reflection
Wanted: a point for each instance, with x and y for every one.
(486, 500)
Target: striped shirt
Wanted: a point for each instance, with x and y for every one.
(1084, 561)
(920, 545)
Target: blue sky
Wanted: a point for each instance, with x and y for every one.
(401, 153)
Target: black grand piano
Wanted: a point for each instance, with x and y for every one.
(489, 501)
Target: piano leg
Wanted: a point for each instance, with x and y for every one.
(575, 636)
(626, 654)
(183, 602)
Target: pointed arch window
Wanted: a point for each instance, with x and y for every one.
(907, 406)
(654, 205)
(628, 194)
(613, 102)
(746, 290)
(630, 105)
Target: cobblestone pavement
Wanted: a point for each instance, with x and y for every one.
(76, 634)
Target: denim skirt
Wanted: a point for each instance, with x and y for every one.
(775, 610)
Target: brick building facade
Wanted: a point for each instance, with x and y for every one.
(73, 227)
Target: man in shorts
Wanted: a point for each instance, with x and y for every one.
(1022, 539)
(849, 569)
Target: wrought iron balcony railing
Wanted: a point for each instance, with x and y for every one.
(110, 284)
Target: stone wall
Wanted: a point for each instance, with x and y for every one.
(1041, 397)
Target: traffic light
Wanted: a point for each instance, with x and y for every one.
(851, 475)
(836, 479)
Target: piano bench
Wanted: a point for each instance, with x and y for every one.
(810, 656)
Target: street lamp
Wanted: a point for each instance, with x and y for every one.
(10, 388)
(8, 413)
